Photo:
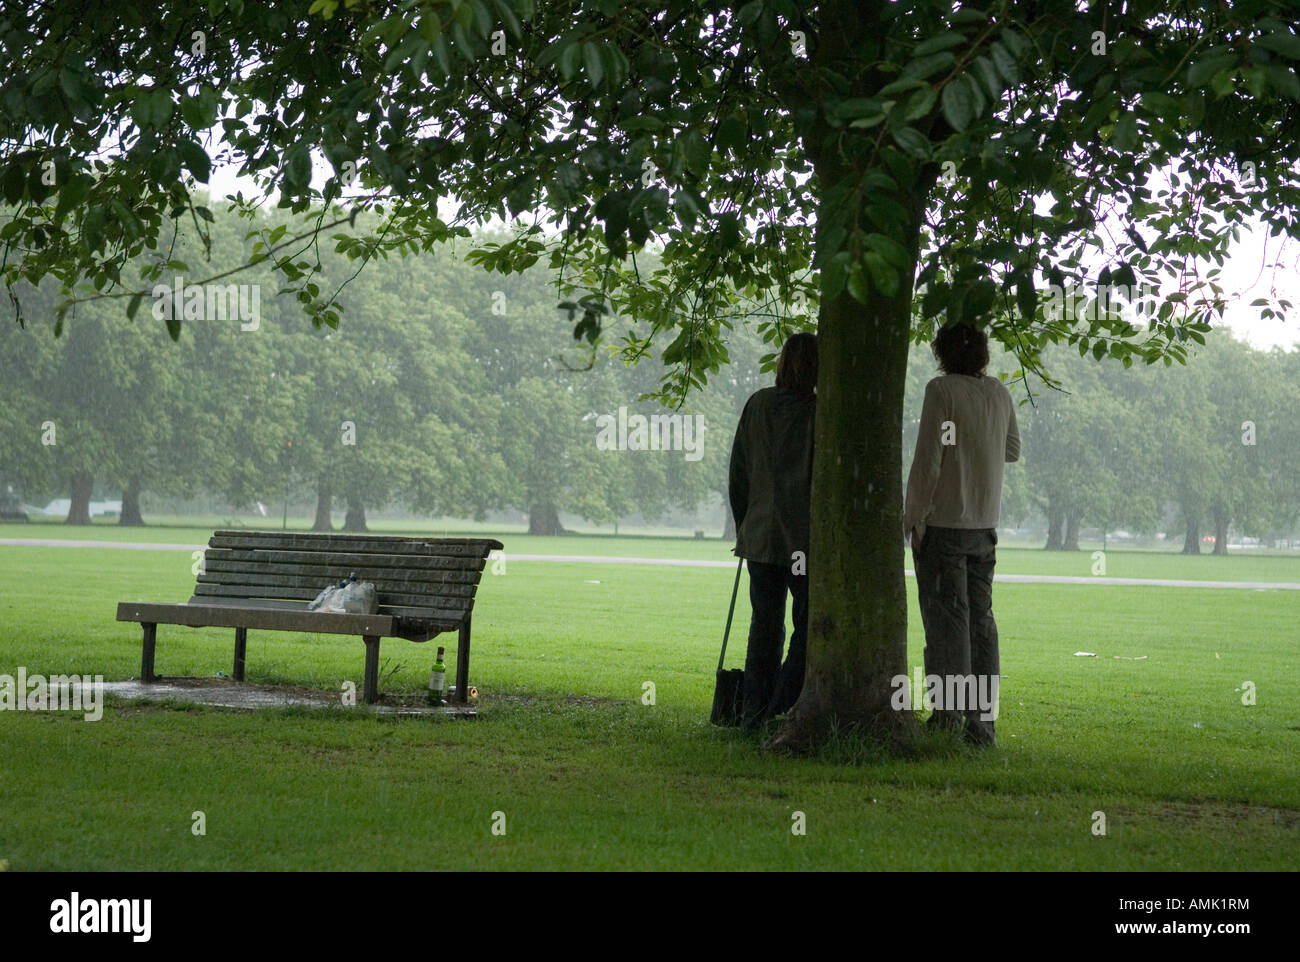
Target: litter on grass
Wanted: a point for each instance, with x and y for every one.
(1084, 654)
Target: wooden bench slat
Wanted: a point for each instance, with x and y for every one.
(356, 545)
(273, 619)
(448, 607)
(320, 537)
(420, 576)
(405, 619)
(350, 561)
(383, 586)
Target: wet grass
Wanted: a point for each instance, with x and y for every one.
(588, 776)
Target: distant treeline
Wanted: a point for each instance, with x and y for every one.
(449, 391)
(445, 390)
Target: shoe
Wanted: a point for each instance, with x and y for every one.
(977, 733)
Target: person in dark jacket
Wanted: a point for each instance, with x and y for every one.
(770, 493)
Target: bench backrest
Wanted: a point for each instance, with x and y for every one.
(427, 582)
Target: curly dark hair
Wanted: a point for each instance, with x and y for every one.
(797, 366)
(961, 349)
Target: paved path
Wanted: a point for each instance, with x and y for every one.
(677, 563)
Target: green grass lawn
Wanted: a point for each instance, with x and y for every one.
(589, 777)
(1279, 566)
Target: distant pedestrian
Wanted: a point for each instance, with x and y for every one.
(968, 431)
(770, 493)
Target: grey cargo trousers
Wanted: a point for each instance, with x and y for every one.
(954, 580)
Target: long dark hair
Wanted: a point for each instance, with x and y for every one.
(797, 366)
(961, 349)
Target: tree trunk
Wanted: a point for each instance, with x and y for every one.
(130, 515)
(544, 519)
(1192, 542)
(1070, 542)
(79, 508)
(1055, 521)
(324, 501)
(356, 516)
(1220, 528)
(857, 626)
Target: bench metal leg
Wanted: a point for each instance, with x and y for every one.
(372, 669)
(462, 664)
(146, 656)
(241, 648)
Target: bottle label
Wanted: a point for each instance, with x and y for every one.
(437, 680)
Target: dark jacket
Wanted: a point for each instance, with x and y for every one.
(771, 475)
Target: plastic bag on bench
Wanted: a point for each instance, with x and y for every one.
(349, 596)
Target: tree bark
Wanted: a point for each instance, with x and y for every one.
(1055, 522)
(729, 526)
(324, 501)
(1192, 542)
(1070, 542)
(857, 630)
(79, 506)
(544, 519)
(1220, 528)
(356, 516)
(130, 516)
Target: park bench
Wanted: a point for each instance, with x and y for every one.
(264, 580)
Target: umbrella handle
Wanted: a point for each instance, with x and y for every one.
(730, 611)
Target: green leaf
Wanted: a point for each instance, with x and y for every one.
(441, 54)
(173, 326)
(1005, 63)
(943, 41)
(1126, 133)
(888, 248)
(196, 159)
(965, 14)
(152, 107)
(1283, 80)
(297, 168)
(1199, 73)
(696, 153)
(913, 143)
(900, 86)
(595, 70)
(920, 103)
(1026, 296)
(856, 284)
(569, 60)
(92, 228)
(958, 105)
(989, 76)
(858, 107)
(134, 305)
(884, 277)
(509, 19)
(1283, 42)
(928, 66)
(73, 193)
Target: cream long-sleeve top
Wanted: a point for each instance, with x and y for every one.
(968, 431)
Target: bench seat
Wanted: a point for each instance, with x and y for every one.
(265, 580)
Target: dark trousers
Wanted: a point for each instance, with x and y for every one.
(771, 687)
(954, 580)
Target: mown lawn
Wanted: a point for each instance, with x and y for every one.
(589, 777)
